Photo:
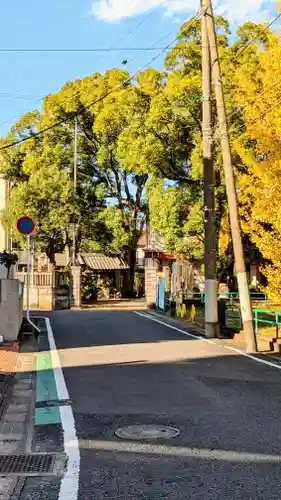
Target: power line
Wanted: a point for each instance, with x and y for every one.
(100, 49)
(267, 89)
(128, 80)
(244, 47)
(19, 96)
(243, 108)
(130, 32)
(141, 22)
(266, 112)
(158, 41)
(259, 94)
(24, 111)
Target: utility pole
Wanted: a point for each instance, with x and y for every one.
(210, 240)
(245, 303)
(74, 187)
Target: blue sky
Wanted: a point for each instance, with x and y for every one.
(26, 77)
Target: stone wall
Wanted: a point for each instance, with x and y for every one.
(40, 298)
(47, 291)
(75, 300)
(47, 298)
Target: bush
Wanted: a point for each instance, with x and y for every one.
(8, 260)
(89, 287)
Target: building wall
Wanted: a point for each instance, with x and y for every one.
(10, 309)
(47, 291)
(140, 257)
(40, 298)
(150, 286)
(3, 272)
(151, 268)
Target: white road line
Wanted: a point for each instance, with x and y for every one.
(70, 482)
(209, 341)
(62, 391)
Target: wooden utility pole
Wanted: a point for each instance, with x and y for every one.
(210, 240)
(245, 303)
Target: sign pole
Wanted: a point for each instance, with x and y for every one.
(26, 226)
(27, 277)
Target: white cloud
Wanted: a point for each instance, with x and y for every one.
(237, 10)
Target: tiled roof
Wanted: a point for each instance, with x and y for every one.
(101, 262)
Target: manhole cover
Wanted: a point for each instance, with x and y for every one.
(27, 464)
(147, 432)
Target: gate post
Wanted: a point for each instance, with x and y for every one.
(75, 299)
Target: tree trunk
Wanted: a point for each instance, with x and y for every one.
(129, 278)
(66, 247)
(50, 252)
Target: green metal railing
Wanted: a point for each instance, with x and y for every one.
(230, 296)
(267, 317)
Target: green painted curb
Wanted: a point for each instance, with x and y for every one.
(45, 381)
(46, 390)
(46, 416)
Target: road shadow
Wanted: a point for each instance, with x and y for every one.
(227, 409)
(225, 405)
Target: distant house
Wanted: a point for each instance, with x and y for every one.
(140, 250)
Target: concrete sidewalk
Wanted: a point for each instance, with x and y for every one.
(17, 362)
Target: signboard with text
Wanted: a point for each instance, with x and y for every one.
(233, 318)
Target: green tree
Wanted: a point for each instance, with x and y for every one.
(175, 212)
(41, 169)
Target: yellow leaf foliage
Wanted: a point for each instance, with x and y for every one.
(259, 186)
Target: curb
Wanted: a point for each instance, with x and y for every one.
(194, 329)
(191, 327)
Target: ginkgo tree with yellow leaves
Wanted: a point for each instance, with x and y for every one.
(260, 147)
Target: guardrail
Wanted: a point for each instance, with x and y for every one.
(230, 296)
(267, 317)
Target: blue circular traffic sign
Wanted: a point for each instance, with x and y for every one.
(26, 225)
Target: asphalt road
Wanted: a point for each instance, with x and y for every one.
(122, 369)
